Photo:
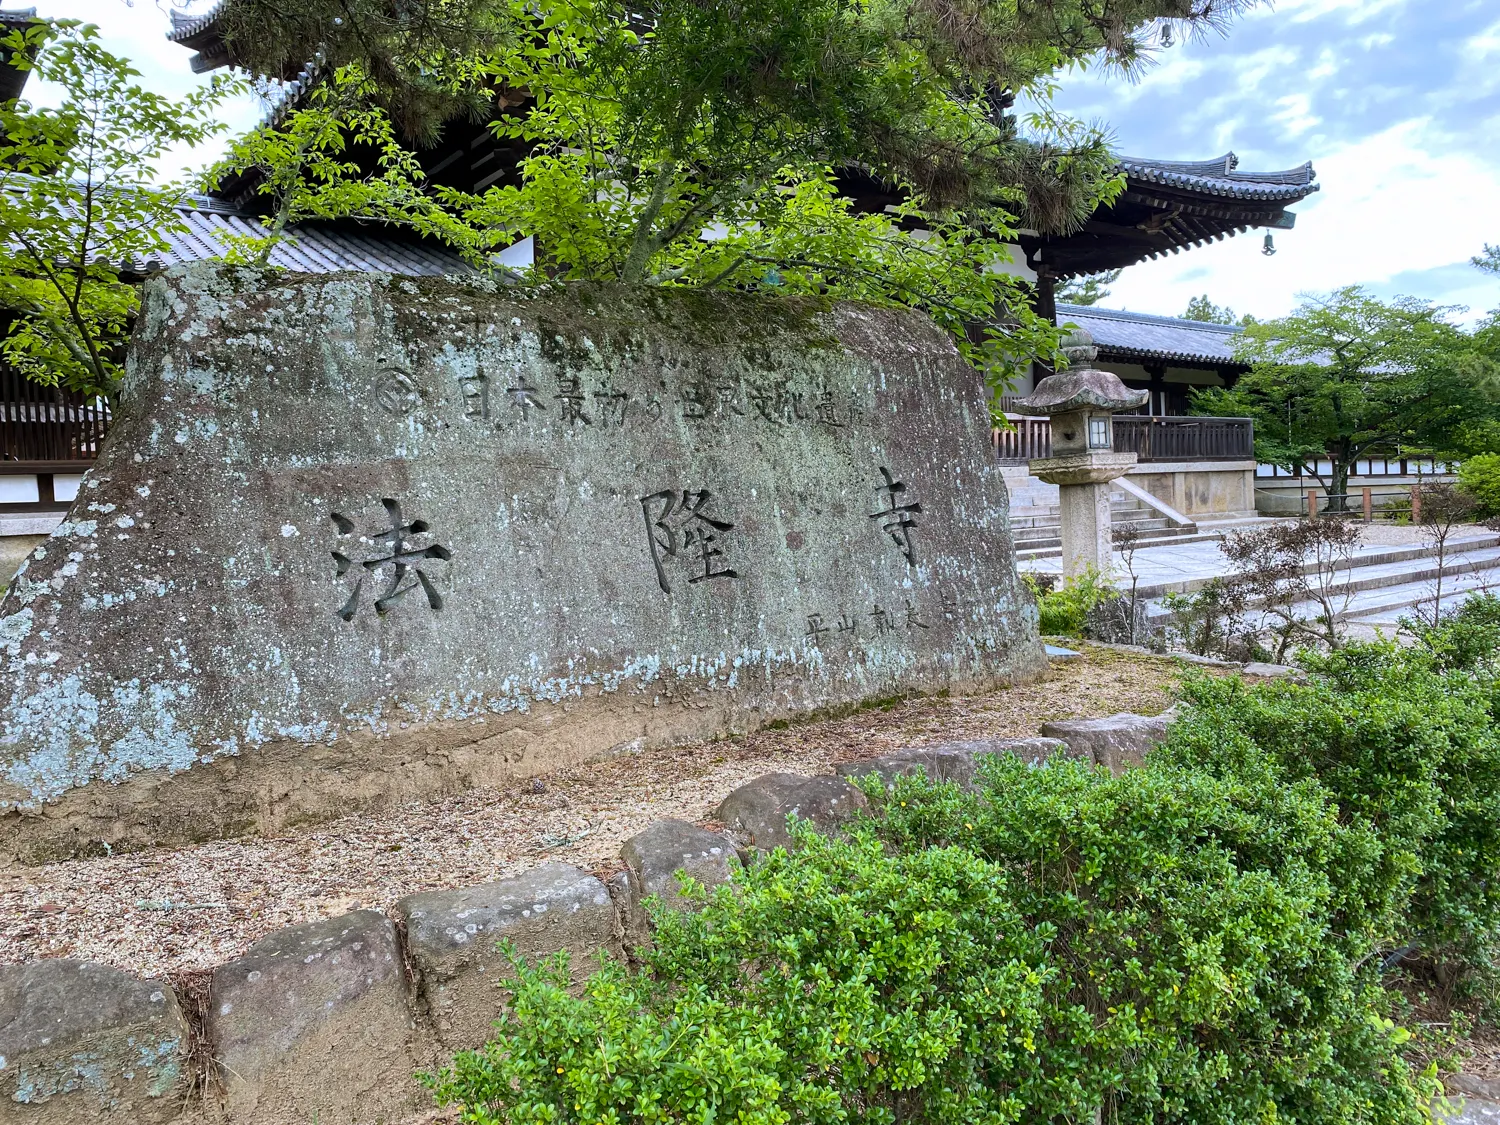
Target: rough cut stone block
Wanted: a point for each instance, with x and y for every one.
(1033, 751)
(1116, 742)
(81, 1042)
(451, 938)
(312, 1024)
(941, 762)
(955, 761)
(756, 813)
(1468, 1109)
(655, 855)
(389, 538)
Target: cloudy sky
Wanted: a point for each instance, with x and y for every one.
(1396, 102)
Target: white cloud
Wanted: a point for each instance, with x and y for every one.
(1355, 11)
(1295, 114)
(1327, 66)
(1364, 227)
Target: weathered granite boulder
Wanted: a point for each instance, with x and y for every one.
(1116, 742)
(355, 539)
(756, 813)
(654, 856)
(312, 1024)
(955, 761)
(451, 938)
(83, 1043)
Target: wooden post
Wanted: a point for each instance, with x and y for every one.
(1416, 503)
(1369, 498)
(1312, 503)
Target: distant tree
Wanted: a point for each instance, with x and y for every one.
(1201, 308)
(78, 200)
(1347, 374)
(1088, 290)
(1489, 261)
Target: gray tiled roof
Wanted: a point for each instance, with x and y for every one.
(314, 249)
(185, 25)
(1219, 177)
(1138, 335)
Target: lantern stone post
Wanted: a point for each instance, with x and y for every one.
(1080, 401)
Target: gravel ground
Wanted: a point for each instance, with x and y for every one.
(184, 909)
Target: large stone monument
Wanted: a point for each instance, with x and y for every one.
(356, 539)
(1080, 401)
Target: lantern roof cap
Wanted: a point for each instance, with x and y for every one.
(1079, 386)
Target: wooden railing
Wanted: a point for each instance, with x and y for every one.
(1150, 439)
(40, 423)
(1185, 439)
(1026, 440)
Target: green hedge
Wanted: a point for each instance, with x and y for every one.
(1479, 476)
(1199, 940)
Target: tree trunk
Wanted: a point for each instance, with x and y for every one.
(1338, 493)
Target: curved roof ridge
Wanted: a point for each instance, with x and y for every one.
(1146, 318)
(1222, 177)
(1219, 166)
(185, 25)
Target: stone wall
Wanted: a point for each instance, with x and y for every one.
(356, 540)
(332, 1020)
(1204, 491)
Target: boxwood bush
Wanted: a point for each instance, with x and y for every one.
(1200, 940)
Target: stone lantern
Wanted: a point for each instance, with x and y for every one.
(1080, 401)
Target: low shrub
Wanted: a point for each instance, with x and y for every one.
(1199, 941)
(1467, 639)
(1166, 946)
(1479, 476)
(1405, 743)
(1065, 609)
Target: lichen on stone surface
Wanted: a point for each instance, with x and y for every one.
(665, 498)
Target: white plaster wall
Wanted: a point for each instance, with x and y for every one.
(18, 490)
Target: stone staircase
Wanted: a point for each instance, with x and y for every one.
(1381, 583)
(1037, 531)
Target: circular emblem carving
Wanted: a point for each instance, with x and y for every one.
(395, 392)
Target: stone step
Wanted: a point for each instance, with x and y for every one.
(1051, 547)
(1383, 561)
(1030, 536)
(1383, 607)
(1375, 586)
(1142, 518)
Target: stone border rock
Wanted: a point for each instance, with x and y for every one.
(331, 1021)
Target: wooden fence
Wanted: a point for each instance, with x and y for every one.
(1150, 439)
(40, 423)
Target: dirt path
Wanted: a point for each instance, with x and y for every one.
(170, 910)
